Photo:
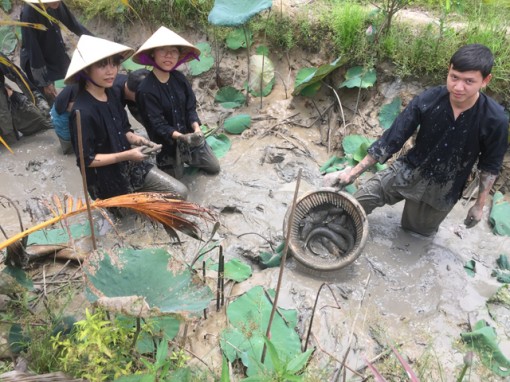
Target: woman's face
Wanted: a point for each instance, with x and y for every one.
(103, 73)
(166, 57)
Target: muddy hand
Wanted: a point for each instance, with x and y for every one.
(338, 178)
(137, 155)
(474, 216)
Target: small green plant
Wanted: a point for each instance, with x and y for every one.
(97, 349)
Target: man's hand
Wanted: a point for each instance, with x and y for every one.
(50, 91)
(474, 216)
(339, 178)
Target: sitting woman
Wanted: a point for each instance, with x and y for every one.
(168, 105)
(112, 166)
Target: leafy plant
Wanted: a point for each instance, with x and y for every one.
(235, 270)
(97, 349)
(390, 112)
(359, 77)
(230, 97)
(261, 76)
(205, 62)
(237, 123)
(308, 80)
(238, 39)
(284, 370)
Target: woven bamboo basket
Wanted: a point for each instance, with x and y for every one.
(315, 199)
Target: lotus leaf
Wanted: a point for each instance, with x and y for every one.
(263, 50)
(205, 62)
(149, 278)
(130, 65)
(14, 280)
(235, 270)
(8, 39)
(6, 5)
(358, 77)
(316, 76)
(161, 327)
(261, 75)
(351, 143)
(249, 317)
(237, 39)
(220, 144)
(235, 13)
(59, 235)
(389, 113)
(230, 97)
(237, 124)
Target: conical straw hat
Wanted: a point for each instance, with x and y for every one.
(93, 49)
(165, 37)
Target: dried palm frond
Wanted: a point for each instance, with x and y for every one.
(15, 69)
(40, 27)
(6, 145)
(161, 207)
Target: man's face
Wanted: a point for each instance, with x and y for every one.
(464, 86)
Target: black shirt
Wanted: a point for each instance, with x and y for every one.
(165, 108)
(104, 128)
(446, 149)
(119, 88)
(43, 53)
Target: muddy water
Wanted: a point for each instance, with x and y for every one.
(402, 289)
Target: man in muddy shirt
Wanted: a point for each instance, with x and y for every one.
(457, 125)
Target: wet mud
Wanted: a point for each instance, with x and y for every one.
(403, 288)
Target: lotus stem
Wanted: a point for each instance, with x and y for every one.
(282, 263)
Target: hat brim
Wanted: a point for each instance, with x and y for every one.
(165, 37)
(90, 50)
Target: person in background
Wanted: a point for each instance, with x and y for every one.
(127, 85)
(43, 55)
(113, 167)
(21, 113)
(167, 104)
(457, 125)
(60, 112)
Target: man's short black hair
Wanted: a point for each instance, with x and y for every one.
(135, 78)
(473, 57)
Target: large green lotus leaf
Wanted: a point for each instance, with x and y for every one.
(238, 12)
(205, 62)
(235, 270)
(389, 113)
(144, 283)
(8, 39)
(59, 235)
(220, 144)
(237, 123)
(358, 77)
(249, 317)
(261, 75)
(315, 76)
(237, 39)
(14, 280)
(130, 65)
(6, 5)
(333, 164)
(230, 97)
(351, 143)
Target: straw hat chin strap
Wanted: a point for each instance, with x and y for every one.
(146, 59)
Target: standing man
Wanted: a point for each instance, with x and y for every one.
(456, 126)
(43, 54)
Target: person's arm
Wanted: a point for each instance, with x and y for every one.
(476, 211)
(349, 174)
(134, 155)
(68, 19)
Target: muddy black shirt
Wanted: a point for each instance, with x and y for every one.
(43, 53)
(104, 128)
(119, 87)
(165, 108)
(438, 166)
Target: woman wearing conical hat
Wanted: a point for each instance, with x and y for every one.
(113, 167)
(167, 105)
